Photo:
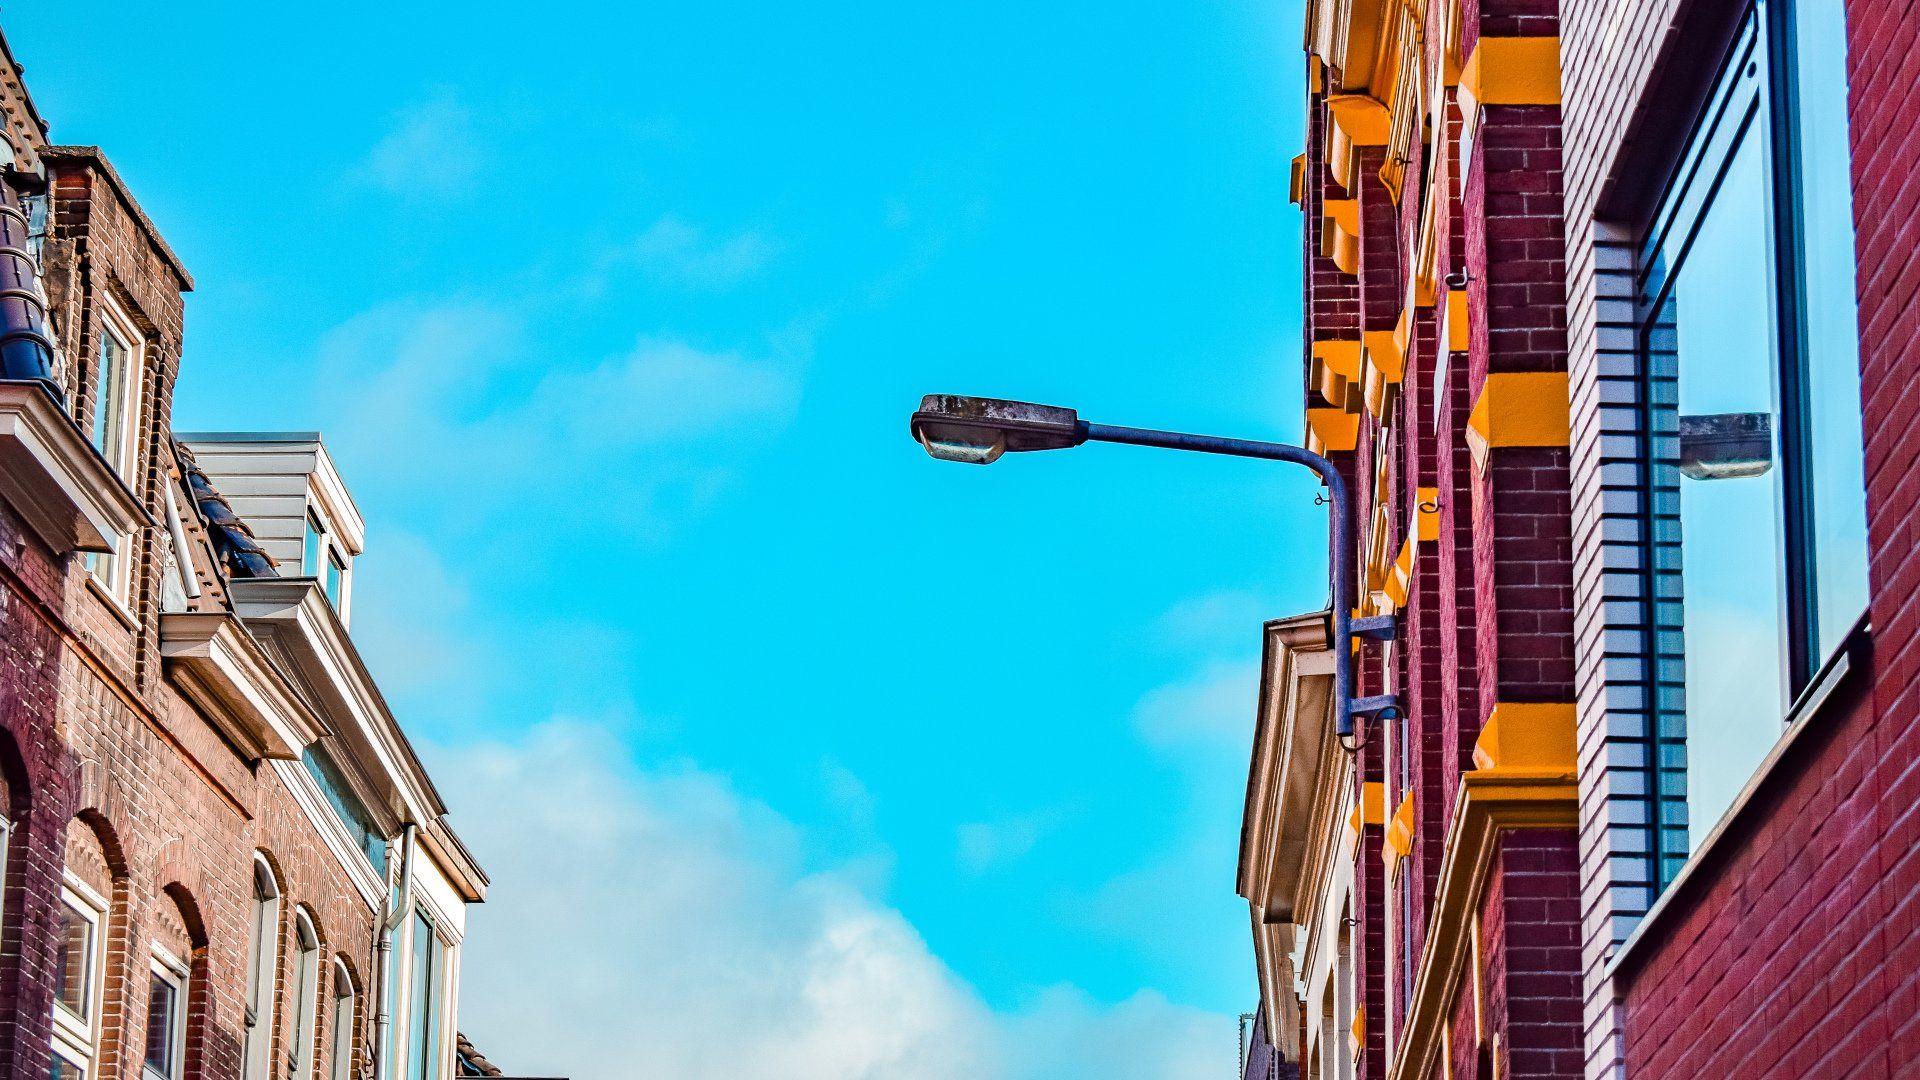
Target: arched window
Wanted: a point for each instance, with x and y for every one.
(263, 938)
(177, 967)
(344, 1019)
(306, 989)
(80, 974)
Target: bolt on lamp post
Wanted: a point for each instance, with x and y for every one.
(977, 431)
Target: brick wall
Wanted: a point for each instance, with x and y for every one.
(102, 757)
(1797, 951)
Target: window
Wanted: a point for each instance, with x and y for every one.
(426, 961)
(343, 1022)
(352, 811)
(322, 557)
(313, 549)
(114, 393)
(79, 974)
(262, 949)
(166, 1018)
(64, 1067)
(336, 572)
(306, 1002)
(1750, 352)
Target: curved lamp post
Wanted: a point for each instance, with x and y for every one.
(977, 431)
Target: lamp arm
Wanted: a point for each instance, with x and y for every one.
(1339, 526)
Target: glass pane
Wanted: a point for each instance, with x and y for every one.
(1836, 471)
(310, 548)
(420, 1025)
(163, 1004)
(332, 583)
(1715, 330)
(109, 406)
(342, 1030)
(70, 982)
(66, 1069)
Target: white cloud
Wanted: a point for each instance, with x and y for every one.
(980, 846)
(1215, 706)
(432, 151)
(663, 390)
(1145, 1037)
(673, 917)
(672, 250)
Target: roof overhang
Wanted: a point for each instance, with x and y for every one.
(294, 620)
(221, 669)
(55, 479)
(1294, 751)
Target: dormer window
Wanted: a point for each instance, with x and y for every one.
(321, 557)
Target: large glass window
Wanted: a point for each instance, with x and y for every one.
(1750, 347)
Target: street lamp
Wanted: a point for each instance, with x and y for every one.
(977, 431)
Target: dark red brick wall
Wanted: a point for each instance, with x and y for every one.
(1796, 951)
(93, 736)
(39, 777)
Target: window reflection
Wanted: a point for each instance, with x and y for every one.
(1720, 355)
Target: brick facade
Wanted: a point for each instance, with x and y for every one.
(1791, 947)
(1435, 315)
(119, 781)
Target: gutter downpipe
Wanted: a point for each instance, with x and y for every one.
(390, 920)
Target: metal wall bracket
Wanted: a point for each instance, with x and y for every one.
(1377, 706)
(1376, 627)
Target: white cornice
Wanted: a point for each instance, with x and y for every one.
(1285, 777)
(294, 615)
(54, 477)
(220, 668)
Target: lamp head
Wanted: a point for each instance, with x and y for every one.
(978, 430)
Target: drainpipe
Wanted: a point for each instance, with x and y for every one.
(390, 919)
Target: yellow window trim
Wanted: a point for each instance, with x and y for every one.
(1530, 785)
(1297, 180)
(1459, 321)
(1513, 71)
(1333, 430)
(1399, 843)
(1518, 408)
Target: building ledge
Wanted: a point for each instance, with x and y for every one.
(53, 477)
(221, 669)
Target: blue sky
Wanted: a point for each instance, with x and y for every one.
(612, 317)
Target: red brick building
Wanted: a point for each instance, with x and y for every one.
(1600, 296)
(222, 859)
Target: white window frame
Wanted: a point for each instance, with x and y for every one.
(76, 1032)
(345, 1017)
(306, 993)
(114, 570)
(440, 990)
(263, 959)
(174, 971)
(327, 552)
(82, 1064)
